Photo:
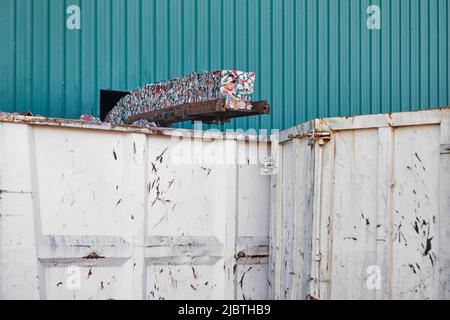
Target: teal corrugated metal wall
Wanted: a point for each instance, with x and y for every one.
(313, 58)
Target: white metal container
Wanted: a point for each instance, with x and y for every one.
(92, 211)
(361, 208)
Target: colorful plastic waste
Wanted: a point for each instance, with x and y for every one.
(88, 117)
(236, 87)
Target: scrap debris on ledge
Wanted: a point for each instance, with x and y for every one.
(236, 87)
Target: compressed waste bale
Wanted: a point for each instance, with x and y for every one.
(236, 87)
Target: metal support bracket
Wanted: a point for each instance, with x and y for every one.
(323, 137)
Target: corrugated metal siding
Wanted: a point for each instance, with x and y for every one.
(312, 58)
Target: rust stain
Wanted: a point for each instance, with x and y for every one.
(93, 256)
(82, 124)
(242, 255)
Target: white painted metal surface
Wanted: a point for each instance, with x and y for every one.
(98, 212)
(361, 208)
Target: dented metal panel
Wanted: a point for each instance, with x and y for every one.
(93, 211)
(375, 199)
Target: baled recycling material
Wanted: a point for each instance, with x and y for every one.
(236, 87)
